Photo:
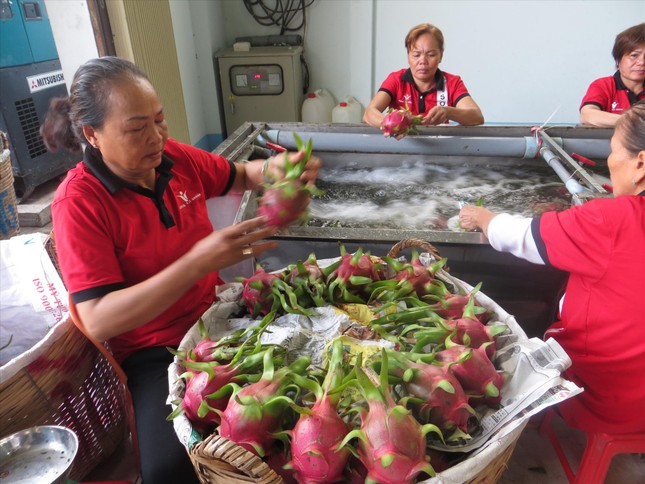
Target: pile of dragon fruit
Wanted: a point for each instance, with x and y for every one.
(359, 418)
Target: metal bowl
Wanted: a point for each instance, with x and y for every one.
(37, 455)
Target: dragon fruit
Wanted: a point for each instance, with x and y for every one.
(391, 443)
(204, 396)
(319, 430)
(279, 462)
(474, 370)
(466, 330)
(258, 292)
(254, 412)
(353, 273)
(444, 402)
(419, 275)
(284, 201)
(399, 122)
(308, 281)
(452, 306)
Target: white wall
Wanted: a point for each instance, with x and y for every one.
(520, 60)
(197, 28)
(73, 34)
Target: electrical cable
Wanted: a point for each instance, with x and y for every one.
(282, 13)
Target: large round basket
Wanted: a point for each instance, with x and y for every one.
(218, 460)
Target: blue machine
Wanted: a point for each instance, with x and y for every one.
(30, 76)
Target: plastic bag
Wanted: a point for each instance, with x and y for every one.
(32, 295)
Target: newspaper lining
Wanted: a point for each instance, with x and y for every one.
(533, 366)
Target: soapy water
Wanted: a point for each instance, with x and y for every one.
(424, 196)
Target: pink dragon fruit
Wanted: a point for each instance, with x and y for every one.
(308, 281)
(414, 277)
(399, 122)
(279, 463)
(254, 412)
(258, 293)
(444, 402)
(391, 443)
(203, 397)
(467, 331)
(318, 432)
(474, 370)
(284, 201)
(348, 282)
(452, 306)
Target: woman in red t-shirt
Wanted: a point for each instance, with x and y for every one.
(424, 89)
(609, 97)
(602, 246)
(136, 247)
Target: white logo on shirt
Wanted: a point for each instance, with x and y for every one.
(187, 199)
(614, 105)
(184, 196)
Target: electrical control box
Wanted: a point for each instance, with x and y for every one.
(261, 84)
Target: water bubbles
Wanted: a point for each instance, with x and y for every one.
(421, 196)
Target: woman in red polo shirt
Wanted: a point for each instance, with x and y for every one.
(425, 89)
(609, 97)
(602, 245)
(136, 247)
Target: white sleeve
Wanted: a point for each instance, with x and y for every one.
(512, 233)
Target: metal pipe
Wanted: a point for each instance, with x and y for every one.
(593, 184)
(514, 147)
(554, 162)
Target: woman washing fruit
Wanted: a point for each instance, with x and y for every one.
(601, 244)
(423, 90)
(136, 248)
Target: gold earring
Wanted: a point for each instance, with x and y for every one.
(633, 181)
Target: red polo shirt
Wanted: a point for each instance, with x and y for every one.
(110, 234)
(602, 325)
(611, 95)
(400, 86)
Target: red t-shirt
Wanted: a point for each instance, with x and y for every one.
(611, 95)
(110, 236)
(400, 86)
(602, 325)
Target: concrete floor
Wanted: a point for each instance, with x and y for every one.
(533, 462)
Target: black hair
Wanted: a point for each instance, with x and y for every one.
(627, 41)
(87, 103)
(632, 126)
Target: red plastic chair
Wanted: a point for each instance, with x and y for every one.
(129, 406)
(598, 453)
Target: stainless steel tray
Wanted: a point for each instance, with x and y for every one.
(37, 455)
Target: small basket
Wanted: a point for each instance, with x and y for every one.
(416, 243)
(218, 460)
(65, 381)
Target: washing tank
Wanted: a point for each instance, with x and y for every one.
(379, 191)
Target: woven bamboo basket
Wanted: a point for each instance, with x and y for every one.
(217, 460)
(65, 380)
